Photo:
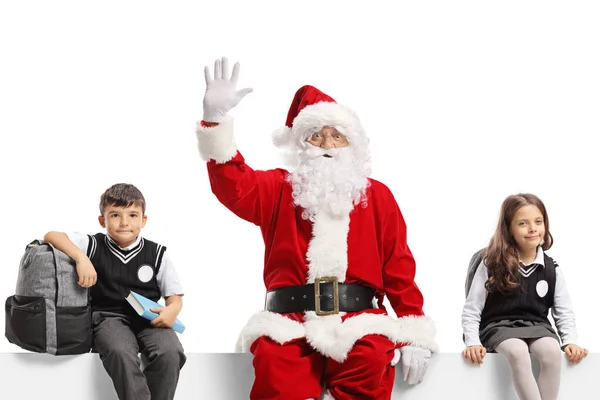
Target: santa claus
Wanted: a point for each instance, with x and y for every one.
(335, 246)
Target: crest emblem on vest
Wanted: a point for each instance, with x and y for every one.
(541, 288)
(145, 273)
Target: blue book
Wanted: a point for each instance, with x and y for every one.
(142, 306)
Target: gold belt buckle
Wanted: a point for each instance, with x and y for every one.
(336, 297)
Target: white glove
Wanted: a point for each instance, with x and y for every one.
(221, 95)
(396, 357)
(414, 363)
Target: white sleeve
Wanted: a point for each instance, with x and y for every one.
(167, 278)
(562, 311)
(80, 240)
(471, 315)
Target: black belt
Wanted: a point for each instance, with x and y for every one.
(326, 296)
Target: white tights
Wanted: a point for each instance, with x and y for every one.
(547, 351)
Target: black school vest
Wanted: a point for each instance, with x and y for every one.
(120, 271)
(531, 301)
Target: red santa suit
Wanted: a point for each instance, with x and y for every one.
(367, 246)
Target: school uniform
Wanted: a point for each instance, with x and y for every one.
(120, 333)
(491, 318)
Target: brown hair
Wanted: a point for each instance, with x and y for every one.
(122, 195)
(501, 256)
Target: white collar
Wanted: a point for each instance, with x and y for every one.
(131, 246)
(539, 258)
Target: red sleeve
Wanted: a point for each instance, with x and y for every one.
(250, 194)
(247, 193)
(399, 265)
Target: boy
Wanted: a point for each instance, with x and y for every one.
(111, 265)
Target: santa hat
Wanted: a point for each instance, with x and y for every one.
(310, 111)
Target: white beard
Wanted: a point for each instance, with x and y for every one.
(335, 185)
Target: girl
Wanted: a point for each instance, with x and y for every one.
(513, 289)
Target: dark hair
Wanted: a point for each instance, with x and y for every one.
(122, 195)
(501, 256)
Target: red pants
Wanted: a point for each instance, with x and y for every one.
(295, 371)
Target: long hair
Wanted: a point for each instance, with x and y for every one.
(501, 256)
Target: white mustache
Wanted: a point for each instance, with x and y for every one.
(315, 152)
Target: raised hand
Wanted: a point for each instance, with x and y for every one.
(221, 94)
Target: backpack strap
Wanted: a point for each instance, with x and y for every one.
(29, 249)
(476, 260)
(53, 250)
(66, 283)
(34, 243)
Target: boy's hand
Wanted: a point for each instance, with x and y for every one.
(575, 353)
(474, 354)
(86, 272)
(166, 317)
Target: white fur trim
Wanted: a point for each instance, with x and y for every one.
(217, 142)
(327, 252)
(322, 333)
(327, 396)
(315, 116)
(335, 339)
(281, 137)
(418, 331)
(265, 323)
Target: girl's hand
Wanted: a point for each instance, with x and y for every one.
(474, 354)
(575, 353)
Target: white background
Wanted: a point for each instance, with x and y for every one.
(464, 102)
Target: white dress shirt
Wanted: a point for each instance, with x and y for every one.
(167, 278)
(562, 310)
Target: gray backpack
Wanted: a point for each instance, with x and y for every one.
(473, 265)
(50, 312)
